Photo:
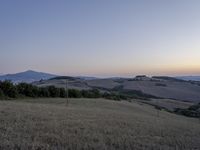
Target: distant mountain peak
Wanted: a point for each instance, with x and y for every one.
(30, 71)
(27, 76)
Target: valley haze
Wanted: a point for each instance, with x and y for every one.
(31, 75)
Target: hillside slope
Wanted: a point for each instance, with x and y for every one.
(161, 87)
(93, 124)
(73, 83)
(166, 89)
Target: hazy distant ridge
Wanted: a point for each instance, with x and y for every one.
(27, 76)
(189, 78)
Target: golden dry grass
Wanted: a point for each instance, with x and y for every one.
(93, 124)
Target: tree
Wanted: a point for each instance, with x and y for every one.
(95, 93)
(8, 89)
(22, 89)
(53, 91)
(85, 93)
(62, 92)
(28, 90)
(35, 91)
(74, 93)
(44, 92)
(1, 93)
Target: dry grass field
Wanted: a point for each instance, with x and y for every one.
(88, 124)
(169, 104)
(182, 91)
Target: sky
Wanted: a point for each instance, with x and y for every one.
(100, 38)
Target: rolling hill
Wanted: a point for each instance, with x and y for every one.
(142, 86)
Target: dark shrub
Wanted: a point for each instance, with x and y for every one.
(8, 89)
(95, 93)
(44, 92)
(192, 111)
(28, 90)
(160, 84)
(1, 93)
(74, 93)
(53, 91)
(112, 96)
(62, 92)
(85, 93)
(194, 107)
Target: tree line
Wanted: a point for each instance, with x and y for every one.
(10, 90)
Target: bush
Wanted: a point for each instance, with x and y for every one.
(94, 93)
(22, 88)
(192, 111)
(28, 90)
(8, 89)
(74, 93)
(113, 96)
(44, 92)
(62, 92)
(195, 107)
(160, 84)
(53, 91)
(1, 94)
(85, 93)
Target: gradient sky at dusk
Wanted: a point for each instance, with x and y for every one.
(100, 37)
